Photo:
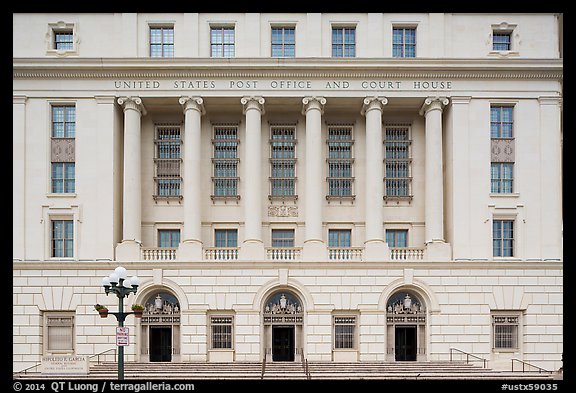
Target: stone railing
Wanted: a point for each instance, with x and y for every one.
(283, 253)
(159, 254)
(406, 254)
(221, 253)
(345, 253)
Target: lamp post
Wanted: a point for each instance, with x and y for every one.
(117, 284)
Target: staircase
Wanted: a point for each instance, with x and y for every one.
(295, 370)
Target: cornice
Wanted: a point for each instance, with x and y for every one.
(98, 68)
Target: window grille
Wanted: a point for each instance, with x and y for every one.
(221, 332)
(283, 42)
(62, 238)
(340, 162)
(283, 238)
(161, 41)
(282, 161)
(503, 238)
(167, 162)
(60, 333)
(505, 331)
(168, 238)
(404, 42)
(343, 42)
(222, 42)
(344, 332)
(225, 162)
(398, 162)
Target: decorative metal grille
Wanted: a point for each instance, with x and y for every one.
(505, 331)
(398, 162)
(225, 161)
(282, 161)
(167, 162)
(221, 332)
(340, 162)
(344, 331)
(60, 330)
(283, 307)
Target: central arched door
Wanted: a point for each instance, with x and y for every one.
(406, 326)
(161, 328)
(283, 318)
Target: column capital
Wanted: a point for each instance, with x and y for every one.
(433, 103)
(195, 103)
(313, 103)
(374, 102)
(134, 103)
(252, 102)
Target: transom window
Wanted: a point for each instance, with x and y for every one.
(344, 332)
(344, 42)
(222, 41)
(168, 238)
(62, 238)
(162, 41)
(404, 42)
(505, 331)
(282, 161)
(225, 161)
(398, 160)
(221, 332)
(340, 161)
(168, 161)
(283, 42)
(503, 238)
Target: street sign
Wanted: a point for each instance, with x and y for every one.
(122, 336)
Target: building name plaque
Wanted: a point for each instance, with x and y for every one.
(283, 84)
(64, 365)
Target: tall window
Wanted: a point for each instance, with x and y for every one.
(63, 149)
(283, 42)
(343, 42)
(222, 41)
(501, 177)
(63, 177)
(225, 161)
(398, 159)
(64, 40)
(339, 238)
(283, 238)
(340, 161)
(501, 41)
(63, 121)
(404, 42)
(168, 238)
(161, 41)
(503, 238)
(502, 149)
(62, 238)
(501, 121)
(226, 238)
(167, 161)
(59, 333)
(282, 161)
(505, 331)
(344, 332)
(397, 237)
(221, 332)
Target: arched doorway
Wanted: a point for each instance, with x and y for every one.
(160, 328)
(283, 317)
(406, 326)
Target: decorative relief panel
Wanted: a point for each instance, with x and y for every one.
(63, 149)
(502, 150)
(283, 211)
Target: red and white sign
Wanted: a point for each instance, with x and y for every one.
(122, 336)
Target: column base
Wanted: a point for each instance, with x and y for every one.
(438, 251)
(252, 250)
(189, 250)
(314, 251)
(376, 251)
(128, 250)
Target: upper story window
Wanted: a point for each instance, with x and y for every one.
(63, 144)
(222, 42)
(162, 41)
(226, 238)
(398, 161)
(64, 40)
(167, 161)
(283, 42)
(340, 161)
(501, 121)
(282, 161)
(501, 40)
(61, 39)
(404, 42)
(168, 238)
(344, 42)
(503, 238)
(63, 121)
(397, 237)
(505, 40)
(225, 161)
(62, 238)
(339, 238)
(283, 238)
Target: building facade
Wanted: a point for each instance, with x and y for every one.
(334, 187)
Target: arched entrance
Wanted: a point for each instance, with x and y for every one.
(405, 326)
(283, 317)
(160, 328)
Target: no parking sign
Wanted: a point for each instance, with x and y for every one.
(122, 336)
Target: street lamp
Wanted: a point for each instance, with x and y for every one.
(118, 284)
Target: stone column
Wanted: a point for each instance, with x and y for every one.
(190, 247)
(253, 247)
(375, 247)
(314, 245)
(18, 176)
(434, 184)
(129, 249)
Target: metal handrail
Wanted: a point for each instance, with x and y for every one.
(540, 369)
(468, 355)
(102, 353)
(26, 369)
